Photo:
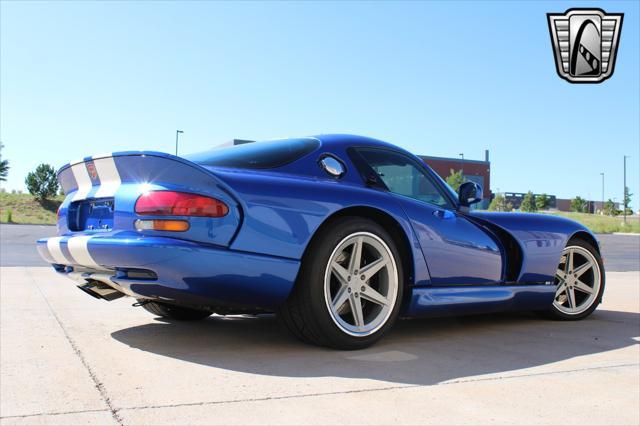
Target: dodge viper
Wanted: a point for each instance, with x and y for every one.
(339, 235)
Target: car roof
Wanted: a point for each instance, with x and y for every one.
(343, 141)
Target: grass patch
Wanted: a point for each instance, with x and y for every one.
(603, 224)
(23, 208)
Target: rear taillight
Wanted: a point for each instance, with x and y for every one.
(171, 203)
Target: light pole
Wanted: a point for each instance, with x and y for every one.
(177, 134)
(602, 205)
(462, 163)
(624, 193)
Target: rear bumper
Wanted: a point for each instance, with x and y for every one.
(185, 272)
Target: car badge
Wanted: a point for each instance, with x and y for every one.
(585, 43)
(91, 168)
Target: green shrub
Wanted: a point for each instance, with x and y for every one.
(42, 182)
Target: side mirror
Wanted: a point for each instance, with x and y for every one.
(469, 193)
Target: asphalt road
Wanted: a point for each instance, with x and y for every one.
(621, 252)
(17, 248)
(17, 244)
(67, 358)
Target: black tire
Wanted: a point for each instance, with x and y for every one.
(555, 313)
(305, 313)
(174, 312)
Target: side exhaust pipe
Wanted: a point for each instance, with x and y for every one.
(100, 291)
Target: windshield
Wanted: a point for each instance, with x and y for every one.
(256, 155)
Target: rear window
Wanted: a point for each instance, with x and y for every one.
(256, 155)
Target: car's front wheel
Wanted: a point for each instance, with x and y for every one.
(349, 288)
(579, 281)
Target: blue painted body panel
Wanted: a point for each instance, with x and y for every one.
(456, 250)
(281, 222)
(463, 300)
(251, 256)
(191, 273)
(541, 238)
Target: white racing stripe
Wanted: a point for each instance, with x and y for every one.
(53, 245)
(84, 181)
(109, 177)
(80, 252)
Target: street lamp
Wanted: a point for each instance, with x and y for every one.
(177, 134)
(602, 205)
(462, 163)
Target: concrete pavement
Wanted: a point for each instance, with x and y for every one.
(66, 358)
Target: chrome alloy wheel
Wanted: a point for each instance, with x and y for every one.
(578, 281)
(361, 284)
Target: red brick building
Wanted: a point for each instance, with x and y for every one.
(473, 170)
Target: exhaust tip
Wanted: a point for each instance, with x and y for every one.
(87, 289)
(100, 291)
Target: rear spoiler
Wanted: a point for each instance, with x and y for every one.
(120, 178)
(100, 176)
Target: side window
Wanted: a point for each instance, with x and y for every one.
(402, 176)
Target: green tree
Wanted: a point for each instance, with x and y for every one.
(499, 204)
(4, 170)
(579, 205)
(42, 182)
(4, 166)
(528, 203)
(542, 202)
(627, 200)
(455, 179)
(610, 208)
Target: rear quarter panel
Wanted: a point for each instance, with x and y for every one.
(283, 212)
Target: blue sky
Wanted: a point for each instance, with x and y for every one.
(438, 78)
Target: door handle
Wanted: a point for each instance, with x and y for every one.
(443, 214)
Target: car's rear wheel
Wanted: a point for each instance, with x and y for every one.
(174, 312)
(349, 288)
(579, 281)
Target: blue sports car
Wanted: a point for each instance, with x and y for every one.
(339, 235)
